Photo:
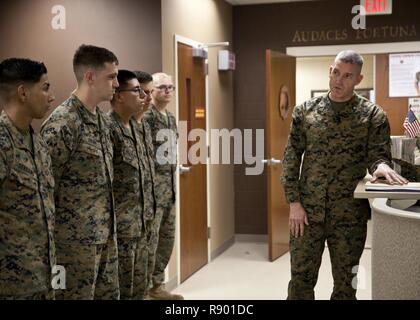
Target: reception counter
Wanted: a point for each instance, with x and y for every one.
(395, 244)
(395, 250)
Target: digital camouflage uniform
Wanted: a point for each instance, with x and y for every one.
(150, 238)
(165, 186)
(338, 145)
(81, 150)
(129, 182)
(27, 252)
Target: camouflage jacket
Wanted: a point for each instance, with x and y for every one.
(27, 250)
(164, 150)
(128, 177)
(81, 151)
(146, 144)
(337, 147)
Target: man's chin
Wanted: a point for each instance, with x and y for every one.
(40, 115)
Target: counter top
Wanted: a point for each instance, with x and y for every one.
(361, 193)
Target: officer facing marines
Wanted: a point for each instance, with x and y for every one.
(340, 135)
(27, 250)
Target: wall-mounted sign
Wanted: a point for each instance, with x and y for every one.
(227, 60)
(284, 103)
(404, 75)
(414, 104)
(387, 32)
(377, 7)
(200, 112)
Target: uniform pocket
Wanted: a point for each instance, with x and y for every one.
(24, 178)
(129, 156)
(91, 150)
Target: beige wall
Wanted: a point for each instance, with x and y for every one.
(129, 28)
(312, 74)
(206, 21)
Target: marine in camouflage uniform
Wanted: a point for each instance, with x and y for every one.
(81, 150)
(27, 251)
(150, 238)
(165, 189)
(339, 142)
(129, 175)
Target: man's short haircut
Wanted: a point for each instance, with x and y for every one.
(350, 56)
(143, 77)
(88, 56)
(123, 77)
(15, 72)
(160, 76)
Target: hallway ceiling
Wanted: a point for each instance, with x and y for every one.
(244, 2)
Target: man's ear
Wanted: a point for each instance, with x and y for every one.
(89, 76)
(22, 93)
(331, 69)
(359, 78)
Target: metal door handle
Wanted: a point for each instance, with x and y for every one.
(272, 161)
(275, 161)
(183, 169)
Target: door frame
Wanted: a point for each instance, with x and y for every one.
(192, 43)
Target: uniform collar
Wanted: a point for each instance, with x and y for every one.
(159, 115)
(120, 124)
(347, 105)
(87, 116)
(16, 135)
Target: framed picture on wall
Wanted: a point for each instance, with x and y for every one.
(364, 92)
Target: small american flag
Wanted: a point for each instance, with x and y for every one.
(411, 124)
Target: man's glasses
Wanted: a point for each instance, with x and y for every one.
(137, 90)
(165, 88)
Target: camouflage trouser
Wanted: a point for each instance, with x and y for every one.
(132, 268)
(91, 271)
(165, 224)
(345, 241)
(42, 295)
(136, 262)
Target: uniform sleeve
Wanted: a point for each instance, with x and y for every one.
(61, 141)
(175, 127)
(114, 136)
(379, 141)
(148, 117)
(293, 156)
(3, 167)
(5, 147)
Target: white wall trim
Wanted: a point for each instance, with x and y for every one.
(369, 48)
(171, 284)
(239, 237)
(226, 245)
(193, 43)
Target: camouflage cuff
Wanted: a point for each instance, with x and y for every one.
(292, 196)
(377, 163)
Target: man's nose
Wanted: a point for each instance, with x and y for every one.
(51, 97)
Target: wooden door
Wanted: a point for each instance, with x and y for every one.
(280, 98)
(192, 178)
(396, 108)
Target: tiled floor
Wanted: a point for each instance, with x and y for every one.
(243, 272)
